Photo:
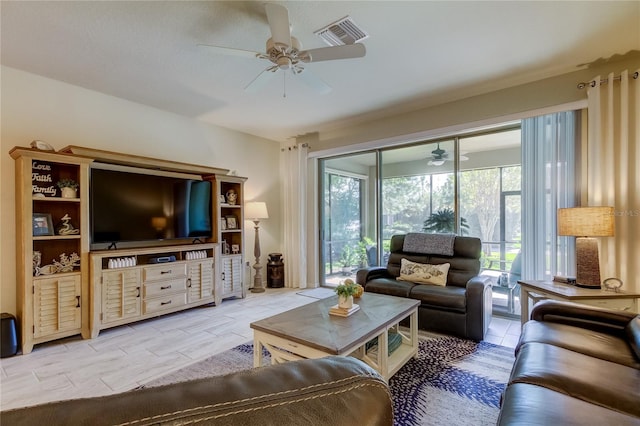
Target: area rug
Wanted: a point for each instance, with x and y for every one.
(451, 382)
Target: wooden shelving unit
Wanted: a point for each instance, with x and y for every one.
(229, 231)
(96, 293)
(55, 305)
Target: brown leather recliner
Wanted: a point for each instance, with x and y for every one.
(463, 307)
(575, 364)
(326, 391)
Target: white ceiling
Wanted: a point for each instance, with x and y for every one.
(419, 53)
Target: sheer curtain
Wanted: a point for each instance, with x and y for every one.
(613, 179)
(548, 183)
(294, 177)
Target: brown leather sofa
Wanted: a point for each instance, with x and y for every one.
(326, 391)
(463, 307)
(575, 365)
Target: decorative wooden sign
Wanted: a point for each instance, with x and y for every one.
(43, 179)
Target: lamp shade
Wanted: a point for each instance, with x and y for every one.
(255, 210)
(586, 221)
(159, 222)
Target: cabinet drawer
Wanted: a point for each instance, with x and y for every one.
(164, 287)
(617, 304)
(159, 304)
(164, 272)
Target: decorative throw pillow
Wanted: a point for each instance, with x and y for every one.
(423, 273)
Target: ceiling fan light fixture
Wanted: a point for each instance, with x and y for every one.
(284, 62)
(436, 162)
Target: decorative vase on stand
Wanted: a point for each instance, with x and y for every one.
(345, 302)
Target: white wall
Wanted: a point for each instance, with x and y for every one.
(33, 107)
(464, 114)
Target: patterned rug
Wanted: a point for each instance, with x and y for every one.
(452, 381)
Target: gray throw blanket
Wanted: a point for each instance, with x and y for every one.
(429, 243)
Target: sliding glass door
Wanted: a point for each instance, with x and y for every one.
(490, 204)
(468, 185)
(348, 231)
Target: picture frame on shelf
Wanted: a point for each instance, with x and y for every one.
(235, 248)
(222, 199)
(42, 225)
(223, 224)
(232, 222)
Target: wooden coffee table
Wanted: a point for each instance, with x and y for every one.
(310, 332)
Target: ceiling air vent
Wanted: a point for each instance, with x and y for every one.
(341, 32)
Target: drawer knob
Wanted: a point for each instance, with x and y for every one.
(165, 272)
(165, 303)
(166, 287)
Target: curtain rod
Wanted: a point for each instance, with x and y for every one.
(592, 83)
(303, 145)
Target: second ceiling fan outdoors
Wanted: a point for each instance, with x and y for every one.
(439, 156)
(285, 53)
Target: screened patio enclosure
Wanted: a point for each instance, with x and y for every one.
(468, 185)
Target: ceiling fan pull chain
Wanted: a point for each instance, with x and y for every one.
(284, 84)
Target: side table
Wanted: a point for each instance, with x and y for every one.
(537, 290)
(510, 292)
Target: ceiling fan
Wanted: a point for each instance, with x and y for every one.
(439, 156)
(285, 53)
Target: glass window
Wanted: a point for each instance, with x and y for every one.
(418, 187)
(348, 216)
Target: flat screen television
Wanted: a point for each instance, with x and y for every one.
(132, 208)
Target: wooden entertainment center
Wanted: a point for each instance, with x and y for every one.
(66, 288)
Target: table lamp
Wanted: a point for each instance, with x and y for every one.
(254, 211)
(159, 224)
(586, 223)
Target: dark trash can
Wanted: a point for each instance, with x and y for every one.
(275, 271)
(8, 335)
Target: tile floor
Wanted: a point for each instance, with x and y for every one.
(124, 357)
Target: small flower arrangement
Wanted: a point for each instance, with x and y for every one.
(347, 288)
(67, 183)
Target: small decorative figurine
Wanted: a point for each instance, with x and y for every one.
(67, 263)
(66, 228)
(37, 259)
(612, 284)
(232, 196)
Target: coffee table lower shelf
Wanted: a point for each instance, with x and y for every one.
(283, 350)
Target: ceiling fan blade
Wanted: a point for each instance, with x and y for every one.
(311, 80)
(347, 51)
(261, 80)
(233, 52)
(278, 17)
